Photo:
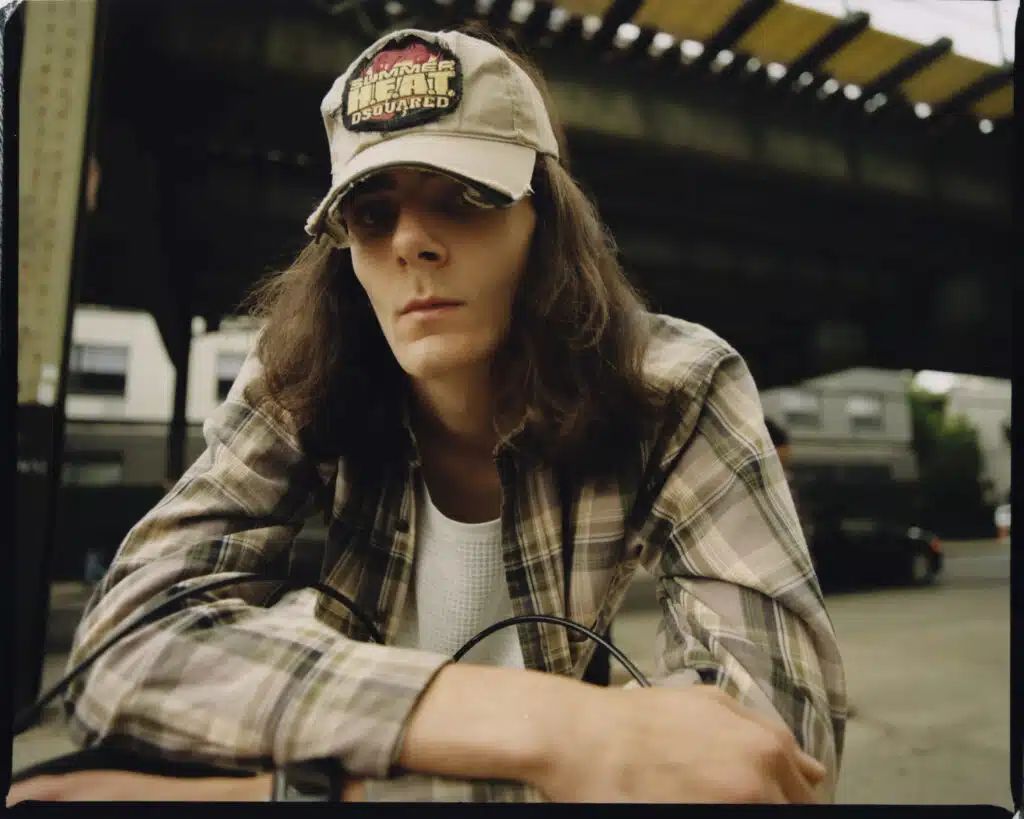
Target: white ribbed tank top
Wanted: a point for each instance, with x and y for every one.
(459, 588)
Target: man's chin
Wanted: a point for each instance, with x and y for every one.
(438, 364)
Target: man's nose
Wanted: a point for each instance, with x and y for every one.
(415, 241)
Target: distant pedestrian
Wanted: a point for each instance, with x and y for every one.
(95, 567)
(784, 449)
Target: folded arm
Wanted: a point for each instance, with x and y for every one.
(741, 606)
(742, 609)
(223, 679)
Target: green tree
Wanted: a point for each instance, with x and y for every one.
(949, 467)
(927, 416)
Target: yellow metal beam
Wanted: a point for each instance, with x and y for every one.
(996, 105)
(943, 78)
(784, 33)
(686, 19)
(868, 56)
(584, 7)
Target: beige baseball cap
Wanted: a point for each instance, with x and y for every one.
(444, 101)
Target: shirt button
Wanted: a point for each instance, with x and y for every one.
(402, 525)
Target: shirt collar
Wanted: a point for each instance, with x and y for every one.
(515, 439)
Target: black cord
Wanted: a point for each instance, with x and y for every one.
(29, 716)
(561, 621)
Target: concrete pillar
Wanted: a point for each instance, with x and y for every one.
(58, 77)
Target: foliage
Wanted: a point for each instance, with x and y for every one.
(949, 465)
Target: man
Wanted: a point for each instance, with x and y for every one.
(457, 374)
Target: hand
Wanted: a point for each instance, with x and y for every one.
(125, 786)
(677, 745)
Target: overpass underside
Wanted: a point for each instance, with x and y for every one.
(811, 237)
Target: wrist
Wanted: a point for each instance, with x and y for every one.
(478, 722)
(564, 737)
(553, 725)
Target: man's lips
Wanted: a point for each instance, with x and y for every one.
(424, 305)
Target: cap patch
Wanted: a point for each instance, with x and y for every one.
(408, 82)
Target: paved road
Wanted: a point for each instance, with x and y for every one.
(928, 672)
(989, 566)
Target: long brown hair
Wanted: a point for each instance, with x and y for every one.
(572, 361)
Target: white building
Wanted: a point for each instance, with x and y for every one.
(856, 421)
(121, 393)
(985, 403)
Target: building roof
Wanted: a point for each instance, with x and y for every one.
(982, 386)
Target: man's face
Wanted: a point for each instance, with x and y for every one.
(440, 273)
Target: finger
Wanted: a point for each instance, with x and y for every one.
(796, 787)
(813, 769)
(38, 788)
(809, 766)
(798, 772)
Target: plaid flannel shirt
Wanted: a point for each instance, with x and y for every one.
(235, 678)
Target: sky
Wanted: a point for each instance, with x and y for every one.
(970, 24)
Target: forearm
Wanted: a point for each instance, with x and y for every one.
(262, 686)
(476, 722)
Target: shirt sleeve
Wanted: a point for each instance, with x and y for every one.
(741, 606)
(224, 678)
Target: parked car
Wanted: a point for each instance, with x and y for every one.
(855, 551)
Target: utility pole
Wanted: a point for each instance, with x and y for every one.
(997, 17)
